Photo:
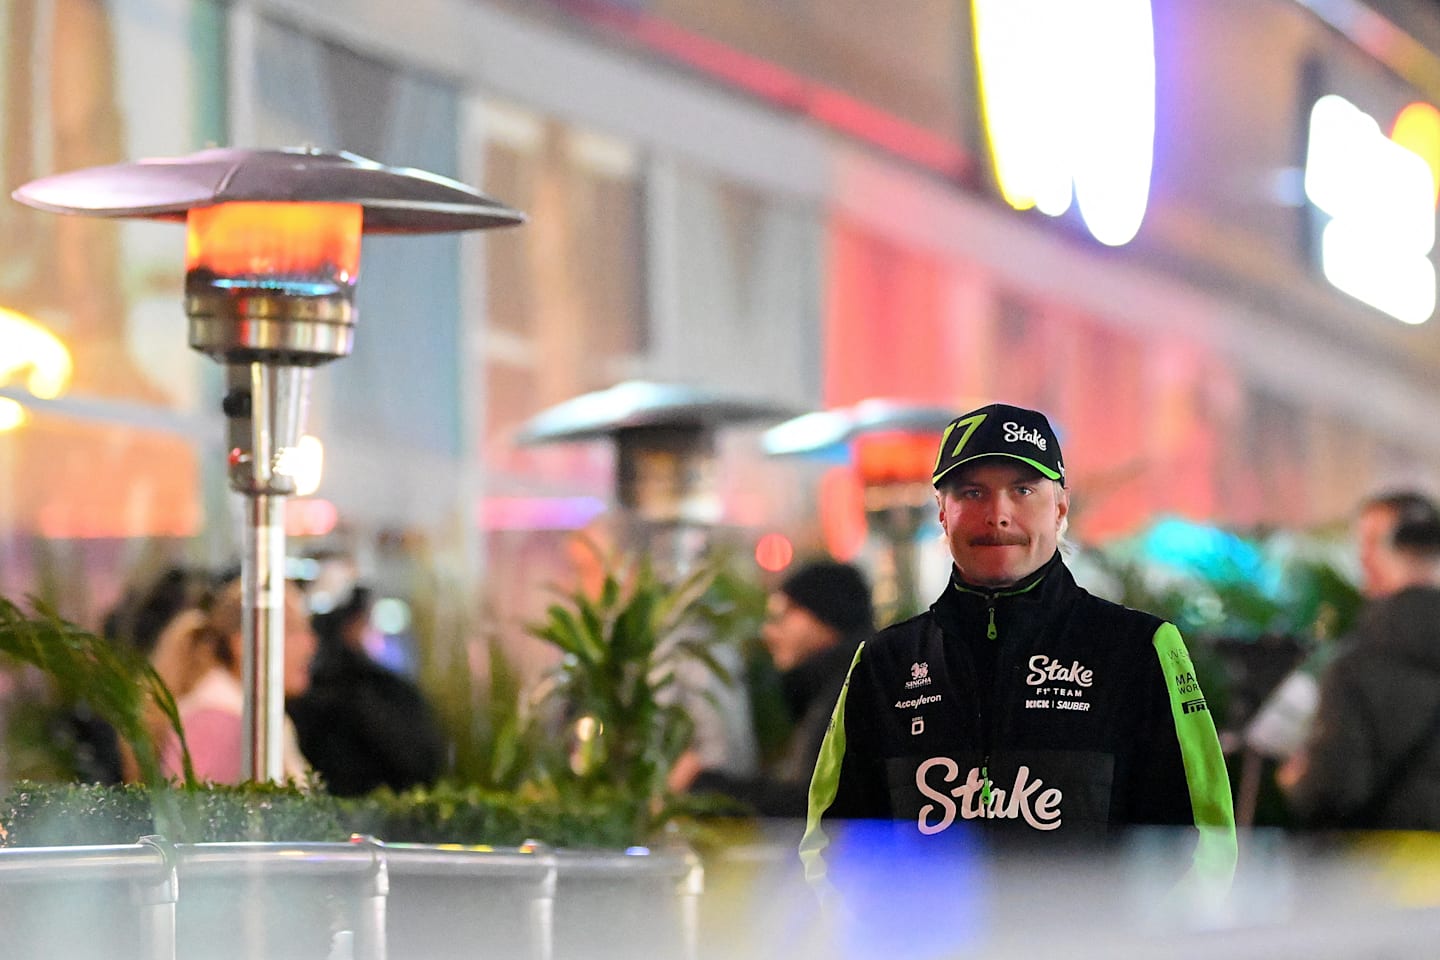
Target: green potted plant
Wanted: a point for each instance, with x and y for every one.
(612, 694)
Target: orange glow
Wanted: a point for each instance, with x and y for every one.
(842, 513)
(1417, 129)
(276, 240)
(34, 354)
(773, 552)
(895, 457)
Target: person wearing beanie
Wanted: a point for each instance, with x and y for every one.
(815, 621)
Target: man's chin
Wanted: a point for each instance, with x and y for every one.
(990, 579)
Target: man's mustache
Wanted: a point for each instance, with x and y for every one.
(1000, 540)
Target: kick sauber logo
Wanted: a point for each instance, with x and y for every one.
(919, 676)
(1056, 686)
(1027, 799)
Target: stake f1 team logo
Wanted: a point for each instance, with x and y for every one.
(1068, 91)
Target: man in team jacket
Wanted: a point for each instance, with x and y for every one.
(1020, 705)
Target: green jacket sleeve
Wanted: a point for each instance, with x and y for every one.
(831, 781)
(1206, 778)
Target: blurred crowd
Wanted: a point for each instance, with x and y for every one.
(350, 721)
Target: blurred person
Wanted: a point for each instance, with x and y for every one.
(1372, 757)
(212, 710)
(1020, 706)
(163, 621)
(362, 726)
(815, 621)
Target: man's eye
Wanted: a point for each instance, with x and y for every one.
(1024, 490)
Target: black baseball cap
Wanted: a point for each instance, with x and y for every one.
(1000, 430)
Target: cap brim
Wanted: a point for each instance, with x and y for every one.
(1043, 470)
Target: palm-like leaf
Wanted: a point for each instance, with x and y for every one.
(115, 681)
(622, 647)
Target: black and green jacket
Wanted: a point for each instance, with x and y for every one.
(1037, 709)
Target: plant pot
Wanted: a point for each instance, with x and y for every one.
(465, 902)
(88, 902)
(636, 903)
(281, 901)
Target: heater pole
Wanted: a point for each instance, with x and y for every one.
(262, 581)
(266, 404)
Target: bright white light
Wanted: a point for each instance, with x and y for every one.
(390, 615)
(1114, 156)
(1380, 197)
(12, 415)
(1377, 273)
(1069, 96)
(1023, 111)
(304, 463)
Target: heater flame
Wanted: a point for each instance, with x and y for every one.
(885, 458)
(314, 246)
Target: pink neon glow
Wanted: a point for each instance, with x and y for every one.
(538, 513)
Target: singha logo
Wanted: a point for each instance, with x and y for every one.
(919, 675)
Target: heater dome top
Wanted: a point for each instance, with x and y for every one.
(824, 433)
(643, 405)
(394, 199)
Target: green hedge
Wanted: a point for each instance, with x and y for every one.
(63, 814)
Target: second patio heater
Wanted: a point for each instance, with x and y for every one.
(272, 259)
(664, 436)
(891, 445)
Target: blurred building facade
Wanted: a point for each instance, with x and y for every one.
(796, 200)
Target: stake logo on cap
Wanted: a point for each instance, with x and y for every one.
(1000, 430)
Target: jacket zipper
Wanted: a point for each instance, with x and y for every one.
(991, 633)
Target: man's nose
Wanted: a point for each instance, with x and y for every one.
(999, 511)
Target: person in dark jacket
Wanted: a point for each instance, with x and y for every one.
(815, 621)
(360, 725)
(1372, 758)
(1019, 704)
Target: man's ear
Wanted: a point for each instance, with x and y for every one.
(1062, 502)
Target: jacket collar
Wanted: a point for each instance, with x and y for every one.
(1025, 585)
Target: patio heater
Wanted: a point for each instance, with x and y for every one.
(664, 436)
(891, 444)
(272, 258)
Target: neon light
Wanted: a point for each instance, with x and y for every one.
(1417, 129)
(1381, 200)
(1068, 92)
(35, 352)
